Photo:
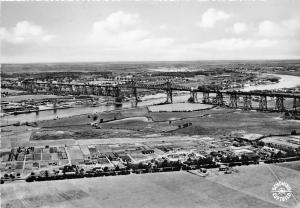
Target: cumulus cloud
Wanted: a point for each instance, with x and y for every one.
(123, 31)
(25, 32)
(283, 29)
(211, 17)
(117, 29)
(239, 28)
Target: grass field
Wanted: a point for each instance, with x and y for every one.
(179, 107)
(291, 165)
(176, 189)
(225, 121)
(217, 121)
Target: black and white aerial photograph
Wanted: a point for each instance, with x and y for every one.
(150, 104)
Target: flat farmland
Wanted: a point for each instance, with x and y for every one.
(174, 189)
(258, 181)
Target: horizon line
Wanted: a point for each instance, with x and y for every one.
(196, 60)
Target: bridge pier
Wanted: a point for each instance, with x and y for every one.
(134, 93)
(169, 92)
(57, 89)
(219, 99)
(169, 96)
(95, 90)
(85, 90)
(92, 89)
(233, 101)
(44, 87)
(71, 89)
(296, 103)
(76, 90)
(116, 91)
(30, 87)
(61, 89)
(106, 91)
(132, 85)
(247, 102)
(101, 91)
(205, 97)
(279, 104)
(263, 104)
(48, 87)
(36, 88)
(194, 96)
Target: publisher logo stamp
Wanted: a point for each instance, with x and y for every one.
(281, 191)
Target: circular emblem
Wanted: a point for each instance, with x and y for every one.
(281, 191)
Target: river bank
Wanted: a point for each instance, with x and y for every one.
(285, 81)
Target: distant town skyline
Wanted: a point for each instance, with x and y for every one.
(36, 32)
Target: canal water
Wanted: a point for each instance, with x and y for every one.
(78, 110)
(286, 81)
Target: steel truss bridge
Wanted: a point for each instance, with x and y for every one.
(114, 90)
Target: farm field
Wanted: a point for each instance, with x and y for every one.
(176, 189)
(258, 181)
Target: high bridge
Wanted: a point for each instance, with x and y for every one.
(218, 98)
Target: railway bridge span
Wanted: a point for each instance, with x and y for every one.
(231, 98)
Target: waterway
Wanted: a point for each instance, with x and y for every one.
(286, 81)
(78, 110)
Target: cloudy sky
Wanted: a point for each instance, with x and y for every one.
(149, 31)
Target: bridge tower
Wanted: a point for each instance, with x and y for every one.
(169, 92)
(247, 102)
(233, 101)
(263, 103)
(205, 97)
(134, 89)
(279, 104)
